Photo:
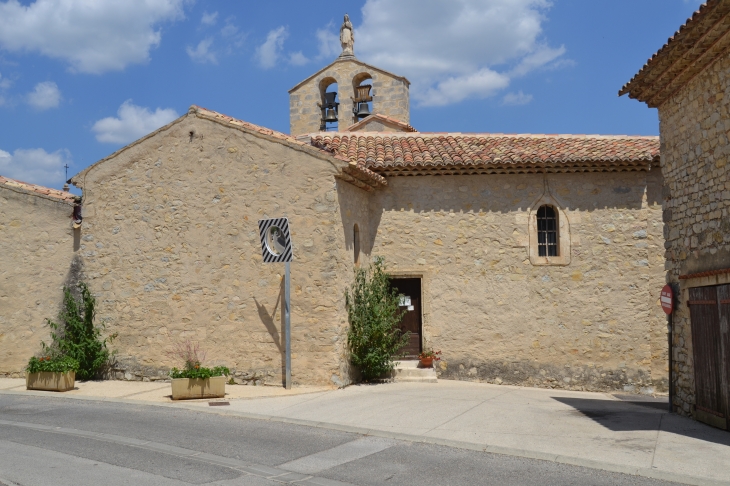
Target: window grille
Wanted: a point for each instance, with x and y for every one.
(547, 231)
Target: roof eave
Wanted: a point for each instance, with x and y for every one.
(697, 44)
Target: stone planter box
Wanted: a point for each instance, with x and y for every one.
(50, 381)
(185, 388)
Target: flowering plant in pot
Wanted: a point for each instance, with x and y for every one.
(194, 380)
(428, 356)
(51, 373)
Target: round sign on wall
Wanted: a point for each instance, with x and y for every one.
(667, 299)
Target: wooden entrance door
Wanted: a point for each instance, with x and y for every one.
(710, 315)
(410, 289)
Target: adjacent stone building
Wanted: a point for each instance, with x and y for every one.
(688, 80)
(526, 259)
(38, 245)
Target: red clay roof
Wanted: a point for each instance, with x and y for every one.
(361, 174)
(697, 44)
(408, 152)
(40, 190)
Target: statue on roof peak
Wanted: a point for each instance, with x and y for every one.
(347, 38)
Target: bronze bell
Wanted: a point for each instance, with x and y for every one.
(363, 110)
(329, 98)
(331, 116)
(363, 92)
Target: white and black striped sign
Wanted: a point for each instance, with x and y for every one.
(275, 240)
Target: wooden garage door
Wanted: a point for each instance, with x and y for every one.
(709, 311)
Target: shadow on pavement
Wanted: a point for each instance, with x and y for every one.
(627, 415)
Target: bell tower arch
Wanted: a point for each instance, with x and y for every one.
(362, 90)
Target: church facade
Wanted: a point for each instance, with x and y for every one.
(527, 259)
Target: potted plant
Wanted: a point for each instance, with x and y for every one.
(428, 356)
(57, 373)
(194, 380)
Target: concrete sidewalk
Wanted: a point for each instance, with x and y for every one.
(628, 435)
(156, 391)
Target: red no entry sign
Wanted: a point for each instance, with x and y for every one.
(667, 299)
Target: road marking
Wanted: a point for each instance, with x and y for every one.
(351, 451)
(275, 474)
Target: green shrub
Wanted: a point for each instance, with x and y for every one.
(374, 337)
(58, 364)
(190, 353)
(199, 372)
(75, 336)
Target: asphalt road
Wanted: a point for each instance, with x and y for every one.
(58, 441)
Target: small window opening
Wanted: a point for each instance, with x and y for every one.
(547, 232)
(356, 244)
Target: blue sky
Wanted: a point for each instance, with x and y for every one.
(81, 78)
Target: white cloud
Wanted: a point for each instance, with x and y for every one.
(35, 166)
(329, 43)
(516, 99)
(454, 50)
(542, 56)
(202, 52)
(229, 30)
(209, 18)
(4, 84)
(268, 53)
(132, 122)
(298, 59)
(91, 35)
(481, 84)
(231, 33)
(44, 96)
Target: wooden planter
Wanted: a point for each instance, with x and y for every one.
(186, 388)
(50, 381)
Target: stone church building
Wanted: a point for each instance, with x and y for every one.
(526, 259)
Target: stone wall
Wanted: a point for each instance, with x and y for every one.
(376, 124)
(390, 96)
(594, 324)
(37, 248)
(171, 249)
(694, 126)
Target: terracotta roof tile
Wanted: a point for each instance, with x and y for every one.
(698, 43)
(361, 173)
(407, 152)
(41, 190)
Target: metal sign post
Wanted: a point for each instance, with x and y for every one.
(667, 301)
(287, 325)
(276, 247)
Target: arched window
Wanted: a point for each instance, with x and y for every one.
(547, 232)
(356, 244)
